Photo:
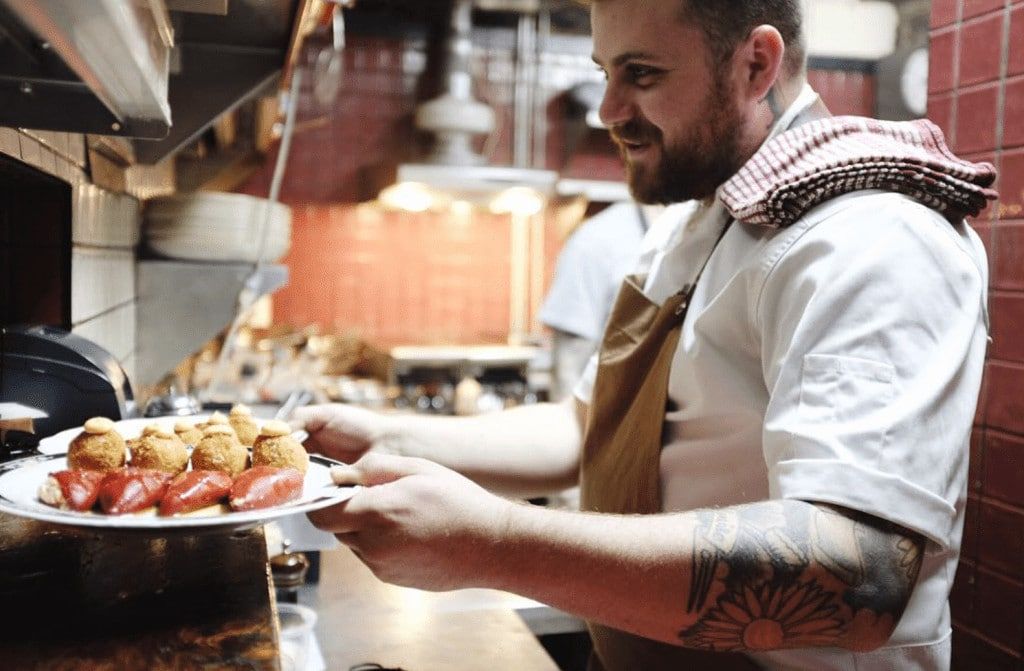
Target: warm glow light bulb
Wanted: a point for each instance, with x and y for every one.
(408, 196)
(518, 200)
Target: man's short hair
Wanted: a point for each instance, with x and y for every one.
(726, 23)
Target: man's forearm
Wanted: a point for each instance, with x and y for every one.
(527, 451)
(766, 576)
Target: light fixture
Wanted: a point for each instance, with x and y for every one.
(409, 197)
(518, 200)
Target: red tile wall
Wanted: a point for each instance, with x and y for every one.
(976, 94)
(399, 278)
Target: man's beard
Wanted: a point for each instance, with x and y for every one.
(694, 167)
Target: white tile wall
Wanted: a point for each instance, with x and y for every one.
(101, 279)
(104, 219)
(9, 143)
(31, 151)
(76, 149)
(114, 331)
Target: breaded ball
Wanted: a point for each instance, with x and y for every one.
(245, 428)
(276, 447)
(189, 433)
(219, 450)
(160, 450)
(98, 448)
(216, 419)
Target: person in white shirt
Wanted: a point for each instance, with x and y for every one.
(773, 468)
(595, 258)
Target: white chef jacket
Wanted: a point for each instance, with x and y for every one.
(839, 361)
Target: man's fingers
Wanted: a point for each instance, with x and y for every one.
(378, 469)
(344, 518)
(310, 418)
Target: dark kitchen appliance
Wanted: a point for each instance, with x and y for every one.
(64, 375)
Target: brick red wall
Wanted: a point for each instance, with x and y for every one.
(400, 278)
(976, 93)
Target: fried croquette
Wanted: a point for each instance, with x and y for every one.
(160, 450)
(219, 450)
(245, 428)
(189, 433)
(98, 448)
(216, 419)
(276, 447)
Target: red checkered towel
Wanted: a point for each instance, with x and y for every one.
(823, 159)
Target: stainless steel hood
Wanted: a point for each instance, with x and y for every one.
(95, 67)
(132, 68)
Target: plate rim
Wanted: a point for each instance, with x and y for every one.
(98, 521)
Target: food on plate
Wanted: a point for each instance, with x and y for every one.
(194, 490)
(190, 434)
(265, 487)
(276, 447)
(98, 448)
(129, 490)
(159, 449)
(219, 450)
(242, 422)
(72, 490)
(216, 419)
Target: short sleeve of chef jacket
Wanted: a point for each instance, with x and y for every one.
(873, 332)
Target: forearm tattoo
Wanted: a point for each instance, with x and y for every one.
(789, 574)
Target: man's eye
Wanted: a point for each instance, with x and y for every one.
(641, 74)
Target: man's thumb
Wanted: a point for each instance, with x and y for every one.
(378, 469)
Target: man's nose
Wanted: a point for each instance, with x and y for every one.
(616, 106)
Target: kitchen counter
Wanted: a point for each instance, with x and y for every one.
(363, 620)
(85, 600)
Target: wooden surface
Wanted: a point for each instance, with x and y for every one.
(363, 620)
(86, 600)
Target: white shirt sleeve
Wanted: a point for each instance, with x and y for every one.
(873, 343)
(584, 389)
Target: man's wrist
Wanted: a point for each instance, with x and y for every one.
(389, 435)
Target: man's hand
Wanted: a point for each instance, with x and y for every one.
(342, 432)
(416, 523)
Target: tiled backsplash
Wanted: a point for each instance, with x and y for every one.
(104, 234)
(976, 94)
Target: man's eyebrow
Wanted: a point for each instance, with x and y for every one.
(626, 57)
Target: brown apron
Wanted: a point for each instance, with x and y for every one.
(621, 463)
(622, 452)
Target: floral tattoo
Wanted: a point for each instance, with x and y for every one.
(789, 574)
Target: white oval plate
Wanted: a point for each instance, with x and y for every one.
(20, 481)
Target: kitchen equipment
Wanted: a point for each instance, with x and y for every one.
(299, 650)
(173, 404)
(64, 376)
(330, 62)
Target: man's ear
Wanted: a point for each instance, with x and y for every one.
(760, 58)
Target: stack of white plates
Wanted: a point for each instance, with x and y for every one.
(217, 227)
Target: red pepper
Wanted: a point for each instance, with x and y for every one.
(265, 487)
(129, 490)
(194, 490)
(80, 489)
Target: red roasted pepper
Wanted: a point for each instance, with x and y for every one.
(265, 487)
(194, 490)
(79, 488)
(129, 490)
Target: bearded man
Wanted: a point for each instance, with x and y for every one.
(772, 444)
